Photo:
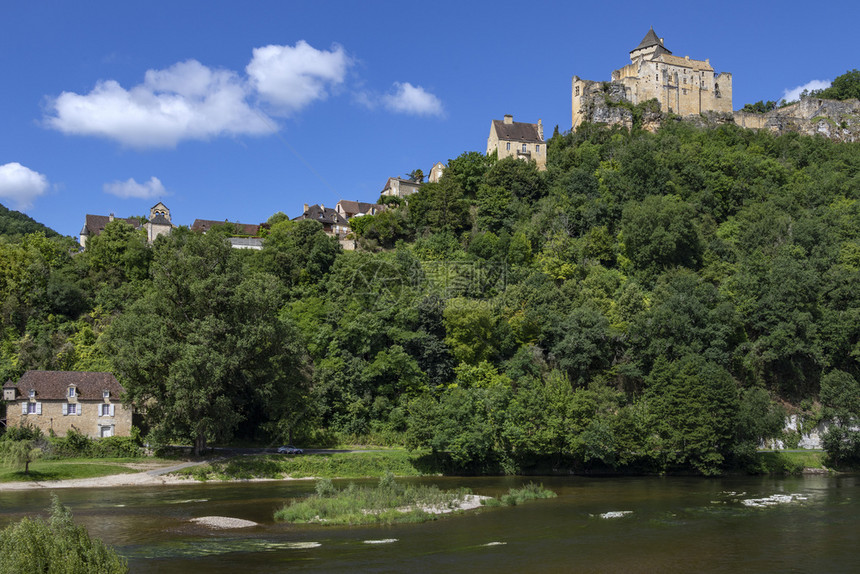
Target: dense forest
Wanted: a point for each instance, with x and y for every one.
(650, 302)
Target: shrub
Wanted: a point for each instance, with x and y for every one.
(23, 432)
(531, 491)
(57, 545)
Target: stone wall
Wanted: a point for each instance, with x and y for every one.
(88, 418)
(596, 102)
(833, 119)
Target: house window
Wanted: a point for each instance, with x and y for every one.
(524, 148)
(508, 148)
(537, 148)
(106, 394)
(71, 391)
(31, 408)
(73, 409)
(106, 410)
(32, 393)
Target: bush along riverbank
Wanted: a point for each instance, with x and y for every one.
(390, 502)
(404, 464)
(339, 465)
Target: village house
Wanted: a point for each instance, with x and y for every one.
(349, 209)
(333, 224)
(399, 187)
(436, 172)
(517, 139)
(158, 224)
(247, 235)
(59, 401)
(681, 86)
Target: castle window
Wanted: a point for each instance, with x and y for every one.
(537, 148)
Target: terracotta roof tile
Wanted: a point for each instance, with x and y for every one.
(53, 385)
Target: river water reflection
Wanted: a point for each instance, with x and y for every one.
(671, 525)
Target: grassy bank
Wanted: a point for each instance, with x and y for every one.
(67, 469)
(783, 462)
(390, 502)
(339, 465)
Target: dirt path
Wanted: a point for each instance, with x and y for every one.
(148, 476)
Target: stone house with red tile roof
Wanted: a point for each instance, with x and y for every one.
(59, 401)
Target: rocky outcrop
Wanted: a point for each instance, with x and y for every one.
(601, 104)
(606, 103)
(833, 119)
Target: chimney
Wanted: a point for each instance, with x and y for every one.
(509, 119)
(110, 217)
(540, 129)
(305, 208)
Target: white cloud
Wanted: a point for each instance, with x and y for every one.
(21, 185)
(291, 77)
(186, 101)
(792, 94)
(130, 188)
(409, 99)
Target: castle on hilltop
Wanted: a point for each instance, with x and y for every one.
(681, 86)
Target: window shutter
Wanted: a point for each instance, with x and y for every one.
(23, 408)
(111, 410)
(79, 409)
(65, 408)
(38, 408)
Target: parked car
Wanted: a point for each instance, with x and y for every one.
(289, 449)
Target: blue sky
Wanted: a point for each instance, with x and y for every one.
(227, 110)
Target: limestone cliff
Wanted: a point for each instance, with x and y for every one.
(605, 103)
(833, 119)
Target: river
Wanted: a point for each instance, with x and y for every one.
(671, 524)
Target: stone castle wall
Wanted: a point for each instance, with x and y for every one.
(833, 119)
(597, 102)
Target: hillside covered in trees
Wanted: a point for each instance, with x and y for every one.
(651, 302)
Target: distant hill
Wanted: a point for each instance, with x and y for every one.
(14, 224)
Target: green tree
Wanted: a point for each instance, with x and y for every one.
(440, 207)
(661, 233)
(520, 178)
(844, 87)
(206, 348)
(55, 546)
(693, 407)
(467, 171)
(298, 252)
(20, 453)
(760, 107)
